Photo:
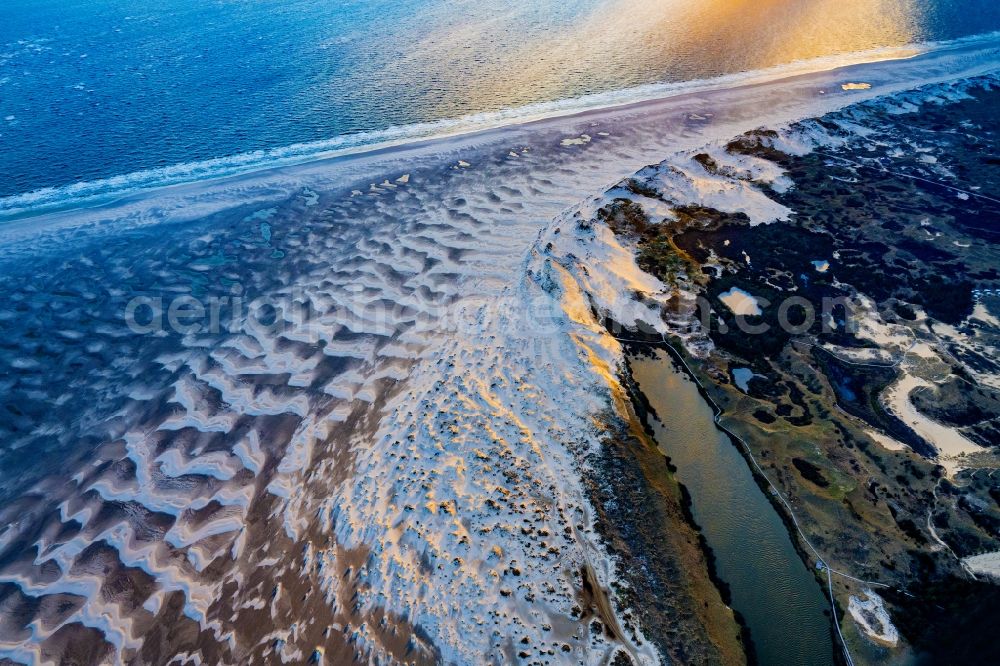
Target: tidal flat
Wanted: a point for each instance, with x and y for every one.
(397, 457)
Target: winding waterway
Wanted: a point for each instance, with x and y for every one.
(771, 587)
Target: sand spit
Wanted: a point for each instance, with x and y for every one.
(395, 476)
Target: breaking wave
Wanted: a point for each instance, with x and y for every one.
(109, 189)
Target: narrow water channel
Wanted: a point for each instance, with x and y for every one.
(771, 587)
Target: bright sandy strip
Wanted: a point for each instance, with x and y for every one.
(987, 563)
(873, 619)
(949, 442)
(740, 302)
(432, 435)
(681, 120)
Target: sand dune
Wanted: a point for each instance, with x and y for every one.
(391, 469)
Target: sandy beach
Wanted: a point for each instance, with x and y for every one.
(396, 474)
(731, 104)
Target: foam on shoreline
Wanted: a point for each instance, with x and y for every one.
(407, 462)
(108, 189)
(686, 117)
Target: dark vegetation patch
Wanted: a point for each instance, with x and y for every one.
(778, 246)
(907, 525)
(975, 360)
(958, 403)
(943, 298)
(657, 254)
(965, 516)
(626, 218)
(879, 225)
(924, 251)
(948, 620)
(759, 142)
(728, 333)
(905, 311)
(636, 186)
(810, 472)
(984, 517)
(780, 266)
(985, 434)
(858, 387)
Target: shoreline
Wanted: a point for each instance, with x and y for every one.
(60, 200)
(469, 416)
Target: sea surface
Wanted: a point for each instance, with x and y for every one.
(380, 460)
(100, 97)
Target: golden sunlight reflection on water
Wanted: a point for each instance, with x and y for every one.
(623, 43)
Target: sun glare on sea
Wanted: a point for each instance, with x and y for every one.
(622, 43)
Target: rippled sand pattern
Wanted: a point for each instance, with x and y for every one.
(256, 495)
(393, 476)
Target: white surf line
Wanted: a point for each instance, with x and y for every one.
(797, 98)
(117, 186)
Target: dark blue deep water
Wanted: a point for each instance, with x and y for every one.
(97, 89)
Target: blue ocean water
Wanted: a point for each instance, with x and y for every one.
(92, 90)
